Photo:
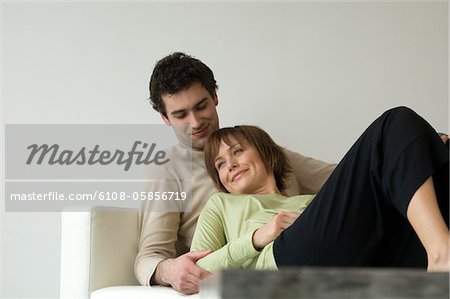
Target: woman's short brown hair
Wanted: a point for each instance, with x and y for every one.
(272, 155)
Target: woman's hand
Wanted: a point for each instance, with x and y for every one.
(271, 230)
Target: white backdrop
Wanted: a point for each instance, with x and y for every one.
(312, 74)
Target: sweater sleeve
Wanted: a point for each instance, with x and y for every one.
(159, 225)
(211, 234)
(157, 243)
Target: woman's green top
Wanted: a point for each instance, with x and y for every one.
(226, 225)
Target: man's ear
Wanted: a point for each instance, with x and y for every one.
(165, 119)
(215, 99)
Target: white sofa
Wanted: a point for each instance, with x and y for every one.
(98, 249)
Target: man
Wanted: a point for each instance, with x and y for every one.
(183, 90)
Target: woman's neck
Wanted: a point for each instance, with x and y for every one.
(270, 187)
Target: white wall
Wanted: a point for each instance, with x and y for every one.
(313, 74)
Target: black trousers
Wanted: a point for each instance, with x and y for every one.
(359, 216)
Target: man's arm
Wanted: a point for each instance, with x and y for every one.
(157, 242)
(156, 261)
(166, 229)
(308, 175)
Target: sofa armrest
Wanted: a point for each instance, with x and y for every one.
(98, 249)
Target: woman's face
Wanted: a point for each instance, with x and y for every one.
(242, 171)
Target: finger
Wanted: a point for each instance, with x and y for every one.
(188, 285)
(190, 289)
(291, 217)
(192, 284)
(288, 222)
(293, 214)
(205, 274)
(198, 272)
(193, 279)
(196, 255)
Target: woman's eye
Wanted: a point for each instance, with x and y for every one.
(237, 151)
(219, 165)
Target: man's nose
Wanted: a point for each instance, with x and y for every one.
(195, 120)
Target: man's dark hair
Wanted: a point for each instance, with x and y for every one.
(177, 72)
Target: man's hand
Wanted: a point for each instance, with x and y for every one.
(271, 230)
(444, 137)
(182, 273)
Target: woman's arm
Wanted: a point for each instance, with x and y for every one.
(211, 233)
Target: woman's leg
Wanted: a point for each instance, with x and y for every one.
(359, 216)
(425, 217)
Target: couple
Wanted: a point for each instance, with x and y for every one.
(183, 90)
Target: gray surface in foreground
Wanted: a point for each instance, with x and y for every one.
(326, 283)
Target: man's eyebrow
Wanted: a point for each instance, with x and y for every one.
(201, 101)
(178, 111)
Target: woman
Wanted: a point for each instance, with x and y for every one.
(385, 205)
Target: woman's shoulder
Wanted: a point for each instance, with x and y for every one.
(226, 201)
(223, 198)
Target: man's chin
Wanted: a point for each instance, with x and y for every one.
(199, 144)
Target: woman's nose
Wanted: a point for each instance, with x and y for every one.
(232, 164)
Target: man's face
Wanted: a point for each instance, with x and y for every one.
(192, 108)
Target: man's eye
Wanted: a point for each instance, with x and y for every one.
(201, 107)
(180, 116)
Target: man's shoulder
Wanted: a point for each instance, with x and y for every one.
(293, 155)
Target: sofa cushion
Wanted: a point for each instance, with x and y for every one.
(98, 249)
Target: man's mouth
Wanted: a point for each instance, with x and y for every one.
(201, 133)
